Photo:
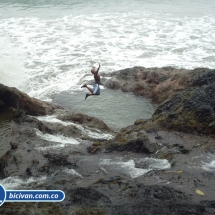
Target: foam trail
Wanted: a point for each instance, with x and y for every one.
(72, 172)
(85, 130)
(129, 166)
(57, 138)
(210, 164)
(15, 182)
(53, 119)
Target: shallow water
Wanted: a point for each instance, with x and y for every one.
(114, 107)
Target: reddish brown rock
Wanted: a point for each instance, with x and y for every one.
(157, 84)
(13, 97)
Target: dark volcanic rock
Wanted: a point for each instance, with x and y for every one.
(205, 79)
(131, 138)
(192, 109)
(2, 103)
(133, 141)
(157, 84)
(13, 97)
(20, 117)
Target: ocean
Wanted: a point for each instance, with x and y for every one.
(48, 46)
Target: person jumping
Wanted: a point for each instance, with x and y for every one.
(95, 91)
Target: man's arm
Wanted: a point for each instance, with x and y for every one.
(98, 69)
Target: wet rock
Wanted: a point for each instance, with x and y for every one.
(113, 84)
(83, 119)
(205, 79)
(157, 84)
(1, 103)
(95, 148)
(68, 131)
(59, 160)
(165, 153)
(91, 188)
(136, 197)
(193, 109)
(13, 97)
(13, 146)
(131, 139)
(91, 210)
(3, 164)
(28, 172)
(21, 118)
(24, 208)
(88, 196)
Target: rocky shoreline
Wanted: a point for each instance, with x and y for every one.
(151, 167)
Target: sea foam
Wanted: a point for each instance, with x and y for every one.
(59, 51)
(128, 167)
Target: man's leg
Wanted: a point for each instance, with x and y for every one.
(87, 95)
(90, 95)
(90, 89)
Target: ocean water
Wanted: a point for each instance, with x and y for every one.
(47, 46)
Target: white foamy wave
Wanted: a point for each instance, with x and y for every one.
(16, 182)
(12, 70)
(129, 166)
(72, 172)
(60, 51)
(209, 165)
(96, 134)
(152, 163)
(54, 119)
(57, 138)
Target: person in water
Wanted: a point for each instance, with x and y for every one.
(95, 91)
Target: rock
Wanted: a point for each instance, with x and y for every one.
(131, 138)
(103, 182)
(83, 119)
(205, 79)
(95, 148)
(191, 110)
(13, 97)
(2, 103)
(20, 117)
(88, 196)
(27, 208)
(157, 84)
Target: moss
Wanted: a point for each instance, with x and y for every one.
(120, 138)
(97, 144)
(4, 156)
(96, 147)
(76, 153)
(100, 180)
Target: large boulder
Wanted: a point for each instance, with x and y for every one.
(130, 139)
(10, 96)
(192, 109)
(157, 84)
(133, 139)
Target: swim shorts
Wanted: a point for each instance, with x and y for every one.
(96, 89)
